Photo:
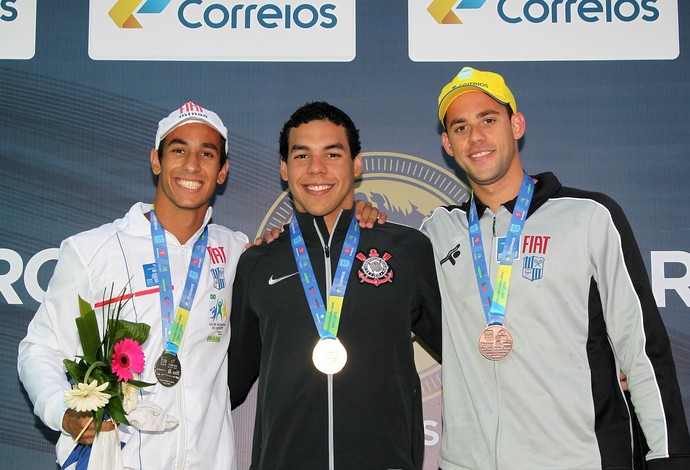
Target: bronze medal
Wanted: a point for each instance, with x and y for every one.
(495, 342)
(329, 356)
(168, 369)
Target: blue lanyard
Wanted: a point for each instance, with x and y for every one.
(173, 330)
(326, 321)
(494, 301)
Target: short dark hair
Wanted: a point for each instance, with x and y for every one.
(320, 111)
(221, 150)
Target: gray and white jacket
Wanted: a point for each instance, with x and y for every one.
(580, 308)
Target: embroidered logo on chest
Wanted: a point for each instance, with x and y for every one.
(218, 278)
(533, 264)
(375, 269)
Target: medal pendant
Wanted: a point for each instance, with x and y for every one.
(329, 356)
(495, 342)
(168, 369)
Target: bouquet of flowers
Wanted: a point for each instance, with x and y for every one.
(106, 375)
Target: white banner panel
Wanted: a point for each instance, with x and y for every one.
(541, 30)
(17, 29)
(222, 30)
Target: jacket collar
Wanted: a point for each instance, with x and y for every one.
(309, 225)
(547, 184)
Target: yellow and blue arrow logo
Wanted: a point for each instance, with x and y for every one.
(122, 13)
(442, 10)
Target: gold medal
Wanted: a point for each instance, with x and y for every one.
(495, 342)
(329, 356)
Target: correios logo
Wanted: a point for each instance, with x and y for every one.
(194, 14)
(442, 10)
(551, 11)
(222, 30)
(122, 13)
(569, 11)
(528, 30)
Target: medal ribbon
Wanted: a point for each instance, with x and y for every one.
(326, 320)
(494, 300)
(174, 330)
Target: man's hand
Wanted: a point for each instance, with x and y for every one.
(624, 381)
(368, 215)
(76, 423)
(268, 237)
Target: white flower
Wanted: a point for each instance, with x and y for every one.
(85, 397)
(130, 396)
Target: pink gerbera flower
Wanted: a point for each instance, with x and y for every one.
(128, 359)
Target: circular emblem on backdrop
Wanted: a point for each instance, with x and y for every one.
(408, 189)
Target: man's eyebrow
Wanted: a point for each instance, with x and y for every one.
(488, 112)
(179, 141)
(210, 145)
(336, 145)
(481, 114)
(298, 147)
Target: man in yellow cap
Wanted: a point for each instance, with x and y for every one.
(547, 300)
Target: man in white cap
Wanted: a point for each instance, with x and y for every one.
(545, 301)
(190, 161)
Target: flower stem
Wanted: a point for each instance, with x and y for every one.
(92, 367)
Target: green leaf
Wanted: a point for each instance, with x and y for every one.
(98, 418)
(139, 332)
(84, 307)
(89, 335)
(116, 411)
(76, 370)
(139, 383)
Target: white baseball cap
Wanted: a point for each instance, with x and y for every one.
(187, 114)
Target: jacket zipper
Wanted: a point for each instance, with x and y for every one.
(329, 280)
(494, 243)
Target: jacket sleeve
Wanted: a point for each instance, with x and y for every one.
(244, 352)
(52, 337)
(427, 322)
(639, 338)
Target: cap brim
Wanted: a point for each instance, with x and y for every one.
(457, 91)
(192, 120)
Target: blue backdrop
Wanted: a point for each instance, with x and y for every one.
(75, 135)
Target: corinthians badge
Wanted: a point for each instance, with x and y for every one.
(375, 269)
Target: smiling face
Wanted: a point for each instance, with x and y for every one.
(189, 170)
(483, 140)
(320, 170)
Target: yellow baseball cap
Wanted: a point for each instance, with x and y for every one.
(469, 79)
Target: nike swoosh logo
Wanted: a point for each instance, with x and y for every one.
(272, 281)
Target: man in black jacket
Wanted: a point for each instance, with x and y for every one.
(323, 316)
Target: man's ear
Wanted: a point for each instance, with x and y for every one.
(517, 121)
(283, 170)
(446, 144)
(358, 165)
(223, 173)
(155, 162)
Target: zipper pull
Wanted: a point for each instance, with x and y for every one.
(327, 251)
